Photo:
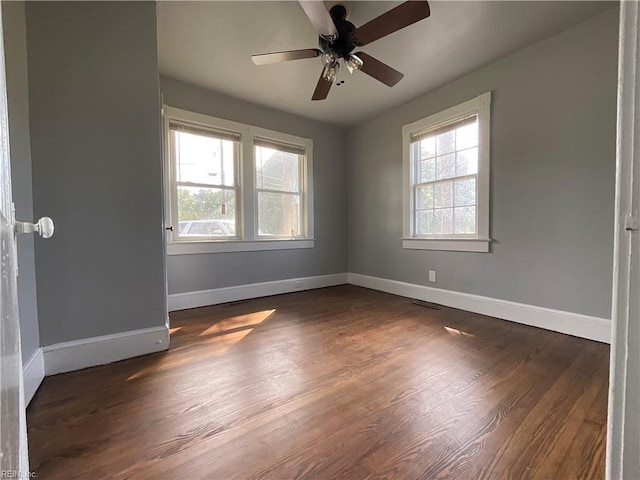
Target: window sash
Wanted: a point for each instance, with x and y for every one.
(215, 134)
(300, 214)
(236, 220)
(173, 146)
(417, 210)
(416, 159)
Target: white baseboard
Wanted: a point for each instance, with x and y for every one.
(181, 301)
(33, 374)
(89, 352)
(592, 328)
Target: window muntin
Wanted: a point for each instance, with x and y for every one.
(278, 186)
(445, 164)
(206, 186)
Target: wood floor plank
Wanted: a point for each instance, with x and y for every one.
(341, 382)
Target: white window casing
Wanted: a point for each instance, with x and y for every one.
(246, 236)
(479, 240)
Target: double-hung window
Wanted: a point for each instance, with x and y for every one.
(235, 187)
(446, 179)
(205, 193)
(280, 197)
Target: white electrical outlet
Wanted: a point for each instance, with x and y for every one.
(432, 275)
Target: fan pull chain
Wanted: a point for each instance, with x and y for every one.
(341, 80)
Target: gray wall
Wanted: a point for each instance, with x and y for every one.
(201, 272)
(552, 178)
(97, 167)
(15, 44)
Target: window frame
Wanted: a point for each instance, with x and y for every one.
(480, 241)
(247, 238)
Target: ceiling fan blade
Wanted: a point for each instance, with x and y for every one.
(276, 57)
(322, 89)
(320, 18)
(395, 19)
(378, 70)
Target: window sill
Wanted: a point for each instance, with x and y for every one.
(448, 244)
(227, 246)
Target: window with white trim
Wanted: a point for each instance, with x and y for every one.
(446, 184)
(235, 187)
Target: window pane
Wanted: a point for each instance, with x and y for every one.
(279, 214)
(465, 192)
(443, 220)
(428, 147)
(443, 194)
(467, 136)
(467, 162)
(203, 159)
(446, 142)
(427, 170)
(465, 220)
(276, 170)
(206, 212)
(424, 222)
(447, 166)
(424, 197)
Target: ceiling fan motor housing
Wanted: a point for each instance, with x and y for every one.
(343, 45)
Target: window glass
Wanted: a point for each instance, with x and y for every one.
(278, 179)
(205, 190)
(445, 192)
(210, 211)
(204, 159)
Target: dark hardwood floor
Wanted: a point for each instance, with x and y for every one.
(336, 383)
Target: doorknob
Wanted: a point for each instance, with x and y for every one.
(44, 227)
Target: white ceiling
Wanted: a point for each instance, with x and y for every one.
(209, 44)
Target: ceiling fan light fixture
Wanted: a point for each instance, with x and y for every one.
(353, 63)
(328, 57)
(330, 72)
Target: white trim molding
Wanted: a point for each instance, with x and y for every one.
(181, 301)
(225, 246)
(89, 352)
(592, 328)
(450, 244)
(33, 374)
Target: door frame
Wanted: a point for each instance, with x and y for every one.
(623, 423)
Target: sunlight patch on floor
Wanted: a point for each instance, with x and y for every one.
(222, 335)
(454, 332)
(248, 320)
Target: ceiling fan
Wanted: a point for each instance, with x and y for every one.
(339, 37)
